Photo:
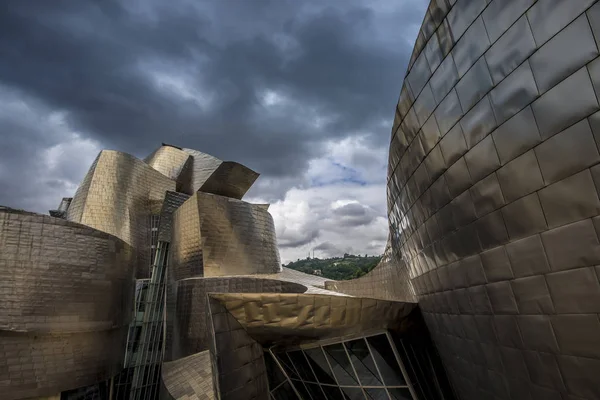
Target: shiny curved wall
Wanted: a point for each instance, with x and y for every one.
(169, 161)
(492, 191)
(388, 281)
(217, 236)
(189, 325)
(230, 179)
(65, 291)
(118, 196)
(196, 173)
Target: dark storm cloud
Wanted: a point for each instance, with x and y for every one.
(297, 239)
(130, 75)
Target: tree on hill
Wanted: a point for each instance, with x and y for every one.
(348, 267)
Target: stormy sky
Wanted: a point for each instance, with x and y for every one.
(303, 92)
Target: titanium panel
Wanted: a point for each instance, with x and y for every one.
(550, 68)
(470, 47)
(515, 92)
(448, 112)
(516, 136)
(474, 85)
(462, 14)
(553, 114)
(510, 50)
(169, 161)
(500, 15)
(548, 17)
(444, 79)
(196, 173)
(66, 291)
(188, 378)
(230, 179)
(478, 122)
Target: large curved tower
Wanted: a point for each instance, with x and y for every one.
(493, 194)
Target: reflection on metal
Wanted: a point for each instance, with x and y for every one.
(169, 161)
(230, 179)
(387, 281)
(196, 173)
(65, 291)
(118, 196)
(493, 194)
(273, 317)
(188, 378)
(216, 236)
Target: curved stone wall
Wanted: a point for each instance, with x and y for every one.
(493, 193)
(65, 291)
(219, 236)
(118, 196)
(189, 325)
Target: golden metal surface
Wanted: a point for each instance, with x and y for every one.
(230, 179)
(169, 161)
(189, 378)
(387, 281)
(273, 317)
(222, 236)
(65, 298)
(118, 196)
(196, 173)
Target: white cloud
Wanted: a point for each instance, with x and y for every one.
(338, 207)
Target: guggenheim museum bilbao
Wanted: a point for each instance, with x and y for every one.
(157, 281)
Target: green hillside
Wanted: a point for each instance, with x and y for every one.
(340, 268)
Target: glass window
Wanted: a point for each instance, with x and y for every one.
(299, 385)
(340, 364)
(332, 392)
(285, 392)
(314, 390)
(353, 393)
(287, 365)
(400, 394)
(302, 366)
(376, 394)
(319, 365)
(386, 360)
(273, 371)
(363, 362)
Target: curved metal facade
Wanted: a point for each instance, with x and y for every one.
(217, 236)
(189, 325)
(492, 193)
(119, 195)
(169, 161)
(230, 179)
(388, 281)
(65, 291)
